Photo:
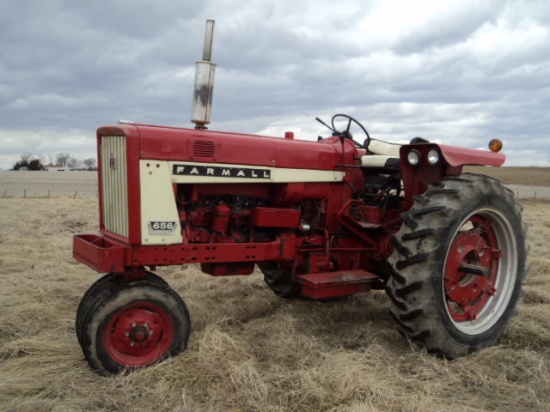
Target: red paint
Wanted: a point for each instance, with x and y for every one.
(334, 284)
(139, 334)
(275, 217)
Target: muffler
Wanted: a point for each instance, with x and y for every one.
(204, 82)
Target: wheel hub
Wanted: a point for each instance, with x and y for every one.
(471, 270)
(137, 331)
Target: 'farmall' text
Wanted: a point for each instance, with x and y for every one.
(219, 171)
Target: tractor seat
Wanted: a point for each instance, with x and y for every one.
(381, 162)
(383, 155)
(383, 148)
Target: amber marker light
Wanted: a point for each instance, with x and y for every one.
(495, 145)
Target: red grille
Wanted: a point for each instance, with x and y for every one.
(202, 148)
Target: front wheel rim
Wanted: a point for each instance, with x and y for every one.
(139, 334)
(480, 272)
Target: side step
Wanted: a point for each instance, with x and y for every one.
(334, 284)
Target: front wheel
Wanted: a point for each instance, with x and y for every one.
(458, 266)
(97, 288)
(133, 325)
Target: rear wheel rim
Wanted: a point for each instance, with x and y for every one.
(139, 334)
(479, 273)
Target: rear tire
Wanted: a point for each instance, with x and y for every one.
(459, 264)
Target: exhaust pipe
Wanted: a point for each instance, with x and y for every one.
(204, 82)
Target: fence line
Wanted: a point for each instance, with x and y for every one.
(27, 194)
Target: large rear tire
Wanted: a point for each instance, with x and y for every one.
(458, 266)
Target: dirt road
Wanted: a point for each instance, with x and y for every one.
(530, 192)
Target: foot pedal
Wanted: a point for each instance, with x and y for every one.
(333, 284)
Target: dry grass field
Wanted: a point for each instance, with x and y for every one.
(249, 350)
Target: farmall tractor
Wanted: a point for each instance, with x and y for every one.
(321, 219)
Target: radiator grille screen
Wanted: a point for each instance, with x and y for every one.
(202, 148)
(115, 184)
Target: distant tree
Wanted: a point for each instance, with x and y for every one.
(36, 164)
(26, 157)
(29, 162)
(63, 159)
(90, 163)
(73, 163)
(21, 164)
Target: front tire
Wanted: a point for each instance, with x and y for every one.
(133, 325)
(97, 288)
(458, 266)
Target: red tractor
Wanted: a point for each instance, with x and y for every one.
(321, 220)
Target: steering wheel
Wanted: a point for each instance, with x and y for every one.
(346, 133)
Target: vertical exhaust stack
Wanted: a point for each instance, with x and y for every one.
(204, 82)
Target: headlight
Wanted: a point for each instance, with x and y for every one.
(413, 157)
(433, 157)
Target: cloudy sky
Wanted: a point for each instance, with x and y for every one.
(455, 71)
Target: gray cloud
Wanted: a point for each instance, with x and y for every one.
(448, 27)
(461, 72)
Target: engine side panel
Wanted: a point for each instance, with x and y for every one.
(160, 218)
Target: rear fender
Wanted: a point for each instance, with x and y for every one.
(452, 159)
